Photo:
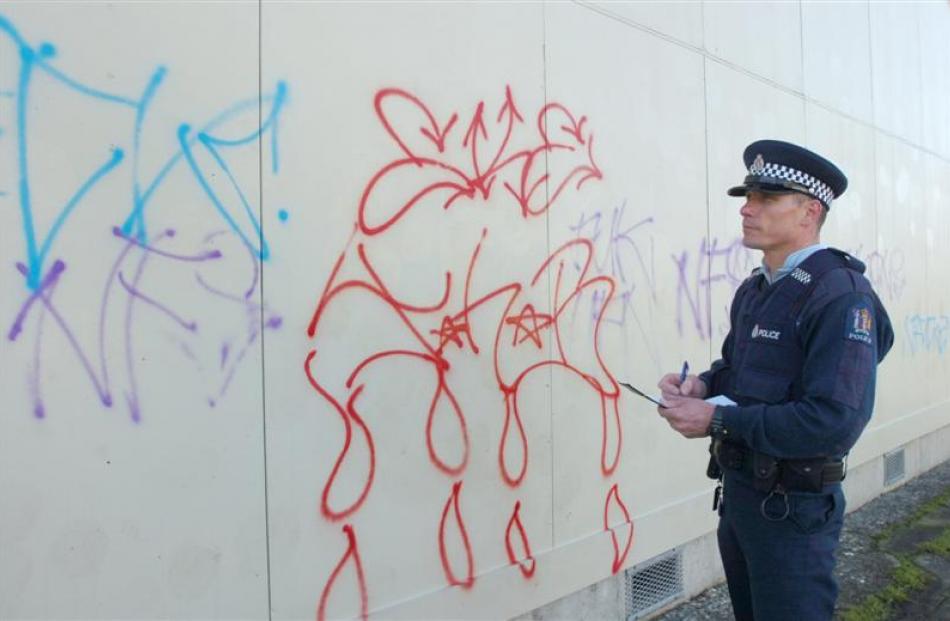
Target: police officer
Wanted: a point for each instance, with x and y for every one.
(807, 332)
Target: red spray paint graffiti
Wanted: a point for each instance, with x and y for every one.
(453, 503)
(613, 505)
(352, 555)
(442, 168)
(526, 562)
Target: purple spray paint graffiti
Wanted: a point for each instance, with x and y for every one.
(624, 250)
(885, 270)
(717, 266)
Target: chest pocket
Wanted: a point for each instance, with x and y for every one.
(758, 385)
(769, 363)
(772, 348)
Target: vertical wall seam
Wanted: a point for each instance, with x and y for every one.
(920, 73)
(705, 56)
(547, 224)
(874, 132)
(920, 116)
(263, 332)
(708, 202)
(702, 30)
(801, 46)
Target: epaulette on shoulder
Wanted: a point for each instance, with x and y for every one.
(842, 281)
(859, 281)
(847, 260)
(756, 271)
(853, 272)
(748, 283)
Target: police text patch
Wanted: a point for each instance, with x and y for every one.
(762, 333)
(860, 326)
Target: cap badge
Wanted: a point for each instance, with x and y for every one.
(758, 165)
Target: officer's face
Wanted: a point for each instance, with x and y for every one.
(775, 222)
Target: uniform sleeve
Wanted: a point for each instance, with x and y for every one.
(840, 366)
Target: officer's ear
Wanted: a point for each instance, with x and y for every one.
(814, 211)
(823, 216)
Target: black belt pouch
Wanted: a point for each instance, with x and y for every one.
(765, 471)
(802, 475)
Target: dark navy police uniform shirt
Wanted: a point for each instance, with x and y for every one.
(800, 359)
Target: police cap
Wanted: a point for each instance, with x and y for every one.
(781, 167)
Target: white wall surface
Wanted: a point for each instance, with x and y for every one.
(318, 309)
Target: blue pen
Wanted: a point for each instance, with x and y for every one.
(684, 371)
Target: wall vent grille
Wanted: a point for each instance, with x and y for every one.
(893, 467)
(653, 584)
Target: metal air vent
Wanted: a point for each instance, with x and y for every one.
(893, 467)
(653, 584)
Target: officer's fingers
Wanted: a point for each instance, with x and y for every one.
(668, 397)
(672, 400)
(673, 417)
(693, 386)
(669, 414)
(669, 383)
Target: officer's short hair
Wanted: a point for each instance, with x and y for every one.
(802, 197)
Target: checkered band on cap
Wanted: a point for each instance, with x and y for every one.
(819, 189)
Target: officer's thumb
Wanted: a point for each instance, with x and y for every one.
(687, 387)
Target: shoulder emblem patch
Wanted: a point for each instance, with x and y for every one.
(860, 326)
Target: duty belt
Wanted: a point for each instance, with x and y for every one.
(771, 474)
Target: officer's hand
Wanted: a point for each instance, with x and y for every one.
(692, 386)
(690, 417)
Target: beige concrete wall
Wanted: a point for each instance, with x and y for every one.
(347, 288)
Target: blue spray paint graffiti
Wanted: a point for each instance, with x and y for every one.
(137, 247)
(926, 334)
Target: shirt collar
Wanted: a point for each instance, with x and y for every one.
(791, 262)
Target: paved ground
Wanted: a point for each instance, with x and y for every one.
(866, 567)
